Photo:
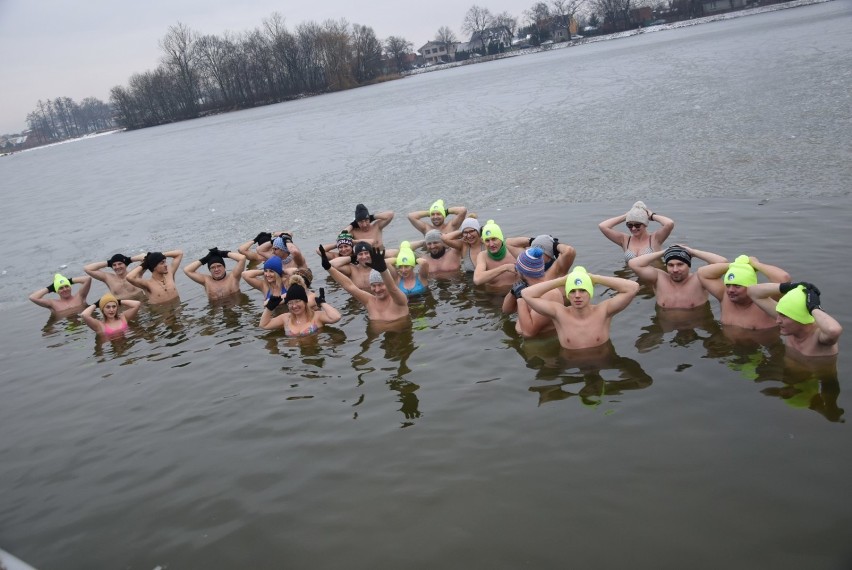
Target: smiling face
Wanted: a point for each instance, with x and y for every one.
(344, 249)
(435, 247)
(404, 270)
(677, 270)
(363, 257)
(635, 228)
(65, 292)
(737, 294)
(296, 307)
(270, 275)
(380, 290)
(119, 268)
(437, 219)
(470, 236)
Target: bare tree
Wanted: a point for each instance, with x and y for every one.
(539, 18)
(507, 22)
(396, 48)
(564, 11)
(476, 21)
(446, 38)
(614, 12)
(366, 53)
(180, 55)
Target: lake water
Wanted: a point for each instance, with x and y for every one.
(201, 441)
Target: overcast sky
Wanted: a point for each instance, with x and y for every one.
(62, 48)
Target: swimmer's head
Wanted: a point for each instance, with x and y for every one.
(793, 305)
(530, 263)
(107, 298)
(274, 264)
(579, 279)
(740, 272)
(491, 231)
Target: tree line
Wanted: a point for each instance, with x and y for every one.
(63, 118)
(202, 74)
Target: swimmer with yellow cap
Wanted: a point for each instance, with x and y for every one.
(581, 324)
(730, 284)
(495, 265)
(439, 218)
(115, 315)
(413, 272)
(68, 303)
(806, 328)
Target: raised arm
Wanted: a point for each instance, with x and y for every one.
(135, 277)
(37, 296)
(762, 294)
(661, 235)
(191, 271)
(772, 273)
(86, 283)
(90, 320)
(177, 256)
(383, 218)
(625, 292)
(705, 256)
(567, 255)
(607, 228)
(482, 275)
(532, 296)
(130, 307)
(460, 212)
(641, 265)
(94, 270)
(417, 222)
(241, 263)
(711, 278)
(252, 277)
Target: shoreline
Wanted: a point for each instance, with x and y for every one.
(619, 35)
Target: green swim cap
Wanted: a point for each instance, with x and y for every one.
(740, 272)
(491, 230)
(792, 305)
(438, 208)
(60, 281)
(579, 279)
(406, 255)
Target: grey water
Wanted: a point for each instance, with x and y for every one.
(201, 441)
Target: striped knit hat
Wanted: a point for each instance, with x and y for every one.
(531, 263)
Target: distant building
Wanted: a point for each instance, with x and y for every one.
(500, 36)
(438, 52)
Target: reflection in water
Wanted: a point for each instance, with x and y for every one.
(689, 326)
(397, 342)
(589, 374)
(809, 383)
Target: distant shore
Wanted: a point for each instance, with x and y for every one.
(619, 35)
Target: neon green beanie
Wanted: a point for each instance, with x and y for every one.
(579, 279)
(406, 255)
(793, 305)
(740, 272)
(438, 208)
(60, 281)
(491, 230)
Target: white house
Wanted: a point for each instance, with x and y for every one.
(437, 52)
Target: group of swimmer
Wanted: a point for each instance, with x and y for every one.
(535, 274)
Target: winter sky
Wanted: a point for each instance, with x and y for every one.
(59, 48)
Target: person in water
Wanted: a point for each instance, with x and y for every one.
(283, 247)
(413, 272)
(114, 322)
(269, 280)
(676, 287)
(116, 281)
(729, 283)
(495, 266)
(439, 218)
(442, 259)
(219, 283)
(581, 324)
(805, 326)
(356, 267)
(384, 301)
(368, 227)
(301, 319)
(467, 240)
(530, 268)
(341, 248)
(161, 286)
(68, 303)
(638, 241)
